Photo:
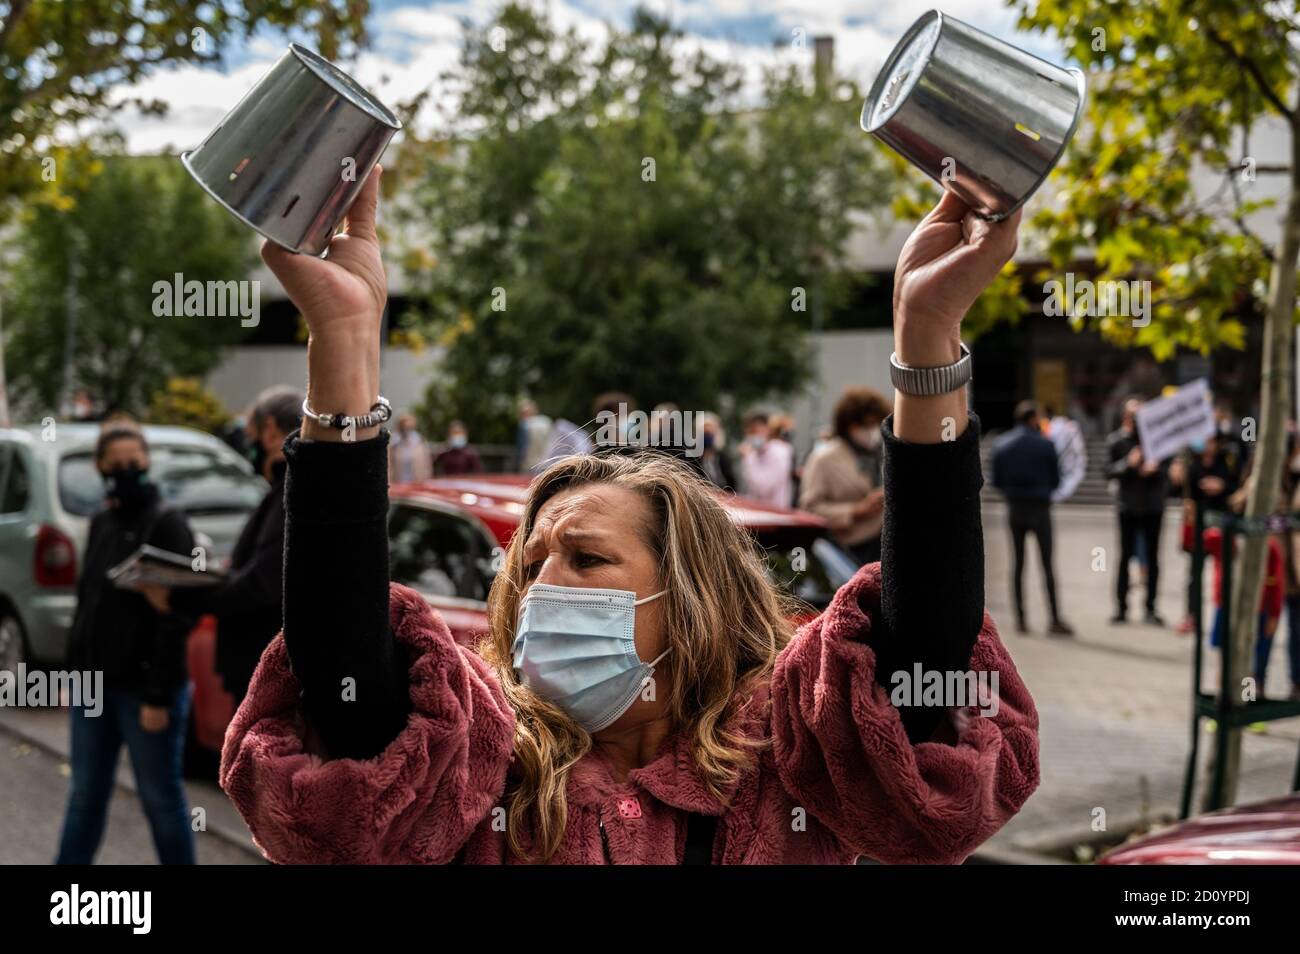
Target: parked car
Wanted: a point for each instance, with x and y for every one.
(445, 552)
(49, 489)
(1265, 833)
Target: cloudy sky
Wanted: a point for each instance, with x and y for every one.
(414, 41)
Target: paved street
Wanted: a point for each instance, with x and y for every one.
(34, 789)
(1114, 701)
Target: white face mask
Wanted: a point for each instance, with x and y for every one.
(868, 438)
(575, 647)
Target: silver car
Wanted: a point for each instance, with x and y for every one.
(49, 490)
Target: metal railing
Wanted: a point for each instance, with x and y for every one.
(1226, 708)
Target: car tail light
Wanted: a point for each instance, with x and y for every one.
(56, 558)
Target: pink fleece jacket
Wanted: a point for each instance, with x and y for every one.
(839, 780)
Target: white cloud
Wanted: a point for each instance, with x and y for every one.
(413, 45)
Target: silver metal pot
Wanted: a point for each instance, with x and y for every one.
(982, 118)
(292, 155)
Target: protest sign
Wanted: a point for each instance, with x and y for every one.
(1166, 425)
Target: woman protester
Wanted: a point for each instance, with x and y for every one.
(642, 695)
(839, 478)
(142, 656)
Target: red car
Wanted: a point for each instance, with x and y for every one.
(1266, 833)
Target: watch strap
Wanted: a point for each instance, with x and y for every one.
(928, 382)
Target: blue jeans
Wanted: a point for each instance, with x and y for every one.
(1263, 645)
(156, 760)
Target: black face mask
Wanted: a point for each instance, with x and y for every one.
(127, 485)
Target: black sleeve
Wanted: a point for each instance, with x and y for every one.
(932, 563)
(1117, 450)
(256, 583)
(171, 533)
(336, 622)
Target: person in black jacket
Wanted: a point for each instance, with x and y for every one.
(1026, 470)
(1143, 488)
(142, 656)
(248, 604)
(713, 461)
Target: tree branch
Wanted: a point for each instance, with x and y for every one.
(1252, 68)
(16, 10)
(1240, 221)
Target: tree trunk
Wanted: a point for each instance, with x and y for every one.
(1266, 472)
(4, 390)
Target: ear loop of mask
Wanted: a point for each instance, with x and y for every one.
(658, 658)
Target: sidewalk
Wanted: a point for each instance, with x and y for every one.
(1115, 701)
(46, 730)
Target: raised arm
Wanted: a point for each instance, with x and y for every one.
(368, 735)
(901, 782)
(932, 585)
(336, 498)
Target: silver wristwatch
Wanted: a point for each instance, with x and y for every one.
(926, 382)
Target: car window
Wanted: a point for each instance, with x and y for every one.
(438, 553)
(811, 570)
(16, 487)
(194, 479)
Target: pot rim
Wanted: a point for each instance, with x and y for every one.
(346, 86)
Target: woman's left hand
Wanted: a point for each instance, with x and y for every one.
(948, 260)
(153, 718)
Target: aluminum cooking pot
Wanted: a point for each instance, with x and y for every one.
(292, 155)
(982, 118)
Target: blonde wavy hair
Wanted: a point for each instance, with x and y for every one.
(725, 623)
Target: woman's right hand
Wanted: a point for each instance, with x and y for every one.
(342, 299)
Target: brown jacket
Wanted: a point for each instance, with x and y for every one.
(832, 486)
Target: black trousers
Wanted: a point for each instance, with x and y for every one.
(1026, 517)
(1131, 526)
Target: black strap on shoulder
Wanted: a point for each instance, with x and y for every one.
(700, 830)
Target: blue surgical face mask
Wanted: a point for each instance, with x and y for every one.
(575, 647)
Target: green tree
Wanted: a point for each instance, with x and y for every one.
(616, 217)
(107, 253)
(1178, 86)
(64, 62)
(187, 403)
